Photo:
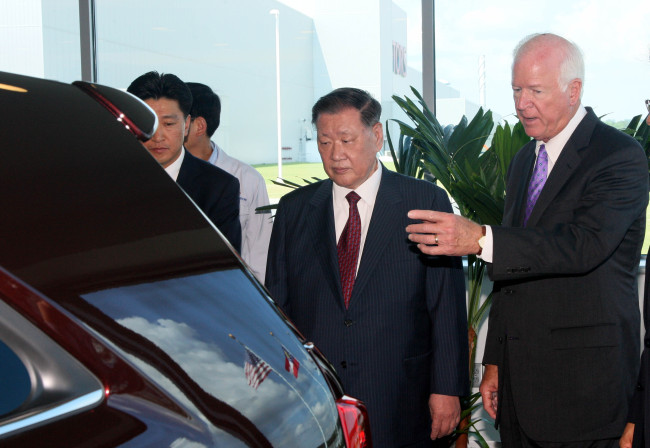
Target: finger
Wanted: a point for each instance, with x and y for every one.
(495, 401)
(627, 438)
(429, 239)
(447, 428)
(488, 405)
(435, 428)
(426, 215)
(490, 409)
(432, 250)
(423, 228)
(444, 424)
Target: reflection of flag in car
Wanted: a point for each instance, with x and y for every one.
(256, 369)
(291, 364)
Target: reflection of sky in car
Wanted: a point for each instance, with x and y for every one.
(198, 338)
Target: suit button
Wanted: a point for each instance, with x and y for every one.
(646, 342)
(508, 291)
(344, 364)
(500, 340)
(347, 322)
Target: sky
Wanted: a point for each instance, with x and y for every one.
(614, 38)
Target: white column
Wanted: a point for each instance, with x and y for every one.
(276, 13)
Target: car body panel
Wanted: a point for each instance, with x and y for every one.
(108, 258)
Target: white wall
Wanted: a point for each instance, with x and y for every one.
(228, 45)
(21, 34)
(349, 35)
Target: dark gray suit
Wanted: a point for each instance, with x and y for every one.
(215, 192)
(640, 407)
(565, 312)
(404, 335)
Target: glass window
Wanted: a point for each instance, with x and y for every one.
(15, 384)
(210, 338)
(40, 38)
(475, 40)
(231, 46)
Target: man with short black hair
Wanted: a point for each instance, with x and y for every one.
(256, 226)
(213, 190)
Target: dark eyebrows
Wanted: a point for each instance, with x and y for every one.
(170, 117)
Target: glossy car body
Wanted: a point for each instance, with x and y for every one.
(125, 317)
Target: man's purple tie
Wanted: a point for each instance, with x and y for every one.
(537, 181)
(348, 247)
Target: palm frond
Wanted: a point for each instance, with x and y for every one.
(474, 176)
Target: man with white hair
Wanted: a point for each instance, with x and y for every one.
(563, 339)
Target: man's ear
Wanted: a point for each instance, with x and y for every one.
(378, 132)
(200, 126)
(188, 122)
(575, 87)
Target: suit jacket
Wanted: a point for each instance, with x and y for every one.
(404, 334)
(215, 192)
(640, 407)
(565, 308)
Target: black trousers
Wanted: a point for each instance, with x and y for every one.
(638, 440)
(512, 434)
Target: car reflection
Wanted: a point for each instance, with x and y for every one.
(202, 345)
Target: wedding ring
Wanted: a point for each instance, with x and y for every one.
(436, 240)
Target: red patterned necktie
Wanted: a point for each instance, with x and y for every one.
(348, 247)
(537, 181)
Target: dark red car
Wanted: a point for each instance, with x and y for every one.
(125, 318)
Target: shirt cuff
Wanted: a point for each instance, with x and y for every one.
(488, 246)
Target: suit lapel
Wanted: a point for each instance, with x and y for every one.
(320, 225)
(565, 165)
(187, 173)
(384, 221)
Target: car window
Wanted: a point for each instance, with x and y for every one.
(15, 385)
(216, 328)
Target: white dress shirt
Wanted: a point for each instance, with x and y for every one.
(255, 227)
(553, 149)
(175, 166)
(368, 193)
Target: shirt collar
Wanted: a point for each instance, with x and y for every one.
(554, 146)
(215, 153)
(367, 190)
(175, 167)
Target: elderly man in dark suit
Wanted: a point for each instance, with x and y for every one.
(563, 337)
(212, 189)
(391, 320)
(637, 431)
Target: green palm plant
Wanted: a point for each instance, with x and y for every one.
(638, 129)
(288, 184)
(457, 158)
